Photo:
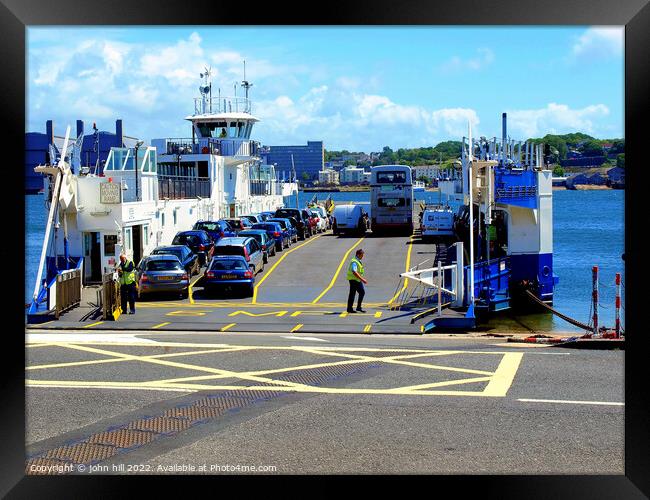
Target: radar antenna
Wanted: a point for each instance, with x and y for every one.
(245, 83)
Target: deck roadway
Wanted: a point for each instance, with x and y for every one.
(302, 289)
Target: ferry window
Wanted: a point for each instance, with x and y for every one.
(391, 202)
(391, 177)
(109, 244)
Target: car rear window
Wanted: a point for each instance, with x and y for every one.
(207, 226)
(183, 239)
(227, 265)
(177, 252)
(163, 265)
(230, 250)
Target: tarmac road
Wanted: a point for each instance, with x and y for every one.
(321, 403)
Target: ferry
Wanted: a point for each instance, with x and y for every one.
(148, 193)
(504, 233)
(418, 186)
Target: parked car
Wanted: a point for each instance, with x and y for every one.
(267, 215)
(198, 241)
(216, 229)
(162, 273)
(281, 238)
(188, 259)
(238, 224)
(227, 272)
(265, 241)
(302, 223)
(287, 226)
(321, 224)
(245, 246)
(349, 218)
(323, 215)
(307, 215)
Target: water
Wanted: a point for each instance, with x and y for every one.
(588, 230)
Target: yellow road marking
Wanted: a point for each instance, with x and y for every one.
(312, 313)
(160, 325)
(38, 345)
(224, 373)
(408, 265)
(378, 314)
(268, 273)
(279, 314)
(232, 305)
(338, 270)
(444, 383)
(227, 327)
(118, 360)
(186, 313)
(367, 328)
(93, 324)
(504, 375)
(296, 328)
(189, 288)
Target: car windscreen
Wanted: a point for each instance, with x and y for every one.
(391, 202)
(230, 250)
(283, 224)
(227, 265)
(163, 265)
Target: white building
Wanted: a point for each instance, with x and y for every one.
(353, 175)
(429, 171)
(328, 176)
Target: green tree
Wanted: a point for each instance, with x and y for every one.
(558, 171)
(620, 160)
(592, 148)
(305, 176)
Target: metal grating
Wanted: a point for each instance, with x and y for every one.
(82, 453)
(122, 438)
(161, 425)
(103, 445)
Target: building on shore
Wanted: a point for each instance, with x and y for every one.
(428, 171)
(328, 176)
(307, 159)
(354, 175)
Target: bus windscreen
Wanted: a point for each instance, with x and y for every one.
(391, 177)
(391, 202)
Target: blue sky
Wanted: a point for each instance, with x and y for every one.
(355, 88)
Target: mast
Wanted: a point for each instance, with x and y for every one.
(471, 222)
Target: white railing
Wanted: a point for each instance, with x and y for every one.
(203, 106)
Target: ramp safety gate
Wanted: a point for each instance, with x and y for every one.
(111, 308)
(66, 290)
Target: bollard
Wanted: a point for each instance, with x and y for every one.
(618, 305)
(594, 271)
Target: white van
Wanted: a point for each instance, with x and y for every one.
(349, 218)
(437, 222)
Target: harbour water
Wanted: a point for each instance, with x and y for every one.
(588, 230)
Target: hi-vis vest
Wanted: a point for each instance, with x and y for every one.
(127, 277)
(359, 269)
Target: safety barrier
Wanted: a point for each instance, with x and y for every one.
(67, 291)
(111, 309)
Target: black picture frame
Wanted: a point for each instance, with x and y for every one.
(16, 15)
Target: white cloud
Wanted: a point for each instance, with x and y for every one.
(597, 43)
(179, 64)
(456, 64)
(555, 119)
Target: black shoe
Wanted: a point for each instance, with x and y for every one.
(131, 312)
(351, 311)
(360, 310)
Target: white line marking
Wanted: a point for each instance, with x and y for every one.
(605, 403)
(306, 338)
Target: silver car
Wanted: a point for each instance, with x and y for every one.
(162, 273)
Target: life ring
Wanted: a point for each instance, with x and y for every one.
(205, 150)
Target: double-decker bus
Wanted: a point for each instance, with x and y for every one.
(391, 199)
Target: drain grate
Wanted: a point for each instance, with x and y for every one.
(122, 438)
(103, 445)
(82, 453)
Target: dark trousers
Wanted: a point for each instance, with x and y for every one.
(127, 292)
(355, 287)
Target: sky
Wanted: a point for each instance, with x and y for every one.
(354, 88)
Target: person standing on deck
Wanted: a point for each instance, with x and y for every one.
(126, 271)
(356, 279)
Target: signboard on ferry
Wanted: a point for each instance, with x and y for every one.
(110, 192)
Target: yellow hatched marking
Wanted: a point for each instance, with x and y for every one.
(118, 360)
(93, 324)
(186, 312)
(338, 270)
(296, 328)
(160, 325)
(268, 273)
(189, 288)
(367, 328)
(408, 266)
(378, 314)
(227, 327)
(504, 375)
(444, 383)
(225, 373)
